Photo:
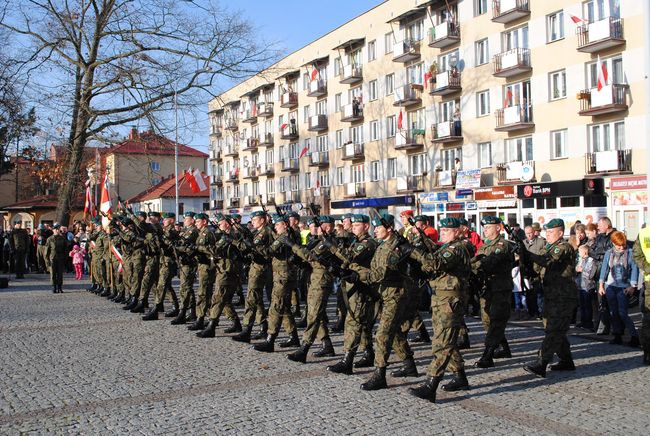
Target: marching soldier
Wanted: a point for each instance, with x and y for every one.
(56, 256)
(188, 267)
(43, 233)
(203, 254)
(115, 266)
(345, 238)
(463, 336)
(151, 233)
(134, 238)
(641, 253)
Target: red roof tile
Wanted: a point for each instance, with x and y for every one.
(42, 202)
(166, 189)
(151, 143)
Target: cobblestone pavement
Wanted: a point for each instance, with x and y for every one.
(76, 363)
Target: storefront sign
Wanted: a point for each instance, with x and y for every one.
(463, 192)
(625, 183)
(455, 207)
(495, 193)
(494, 204)
(468, 179)
(629, 198)
(403, 200)
(471, 205)
(431, 197)
(561, 189)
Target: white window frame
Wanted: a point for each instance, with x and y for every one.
(390, 83)
(482, 51)
(340, 176)
(372, 50)
(484, 154)
(480, 7)
(375, 171)
(358, 173)
(372, 90)
(391, 168)
(610, 136)
(558, 140)
(388, 42)
(483, 103)
(391, 126)
(374, 130)
(555, 26)
(558, 77)
(520, 149)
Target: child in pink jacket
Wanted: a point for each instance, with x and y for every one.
(77, 254)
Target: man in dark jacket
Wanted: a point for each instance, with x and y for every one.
(20, 242)
(597, 252)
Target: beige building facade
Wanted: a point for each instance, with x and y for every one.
(453, 108)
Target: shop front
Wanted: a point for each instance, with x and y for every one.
(498, 201)
(392, 205)
(628, 205)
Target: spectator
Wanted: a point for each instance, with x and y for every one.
(78, 256)
(618, 279)
(521, 310)
(597, 251)
(456, 119)
(535, 244)
(586, 280)
(581, 234)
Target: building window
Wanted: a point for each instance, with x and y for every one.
(391, 168)
(614, 68)
(448, 158)
(606, 137)
(390, 126)
(372, 52)
(307, 180)
(519, 149)
(356, 134)
(418, 164)
(337, 67)
(324, 178)
(558, 144)
(375, 169)
(372, 90)
(485, 154)
(337, 103)
(270, 186)
(305, 81)
(321, 107)
(322, 143)
(307, 145)
(555, 26)
(374, 130)
(415, 74)
(483, 103)
(482, 52)
(340, 175)
(388, 42)
(155, 181)
(480, 7)
(155, 166)
(358, 173)
(306, 113)
(390, 83)
(339, 138)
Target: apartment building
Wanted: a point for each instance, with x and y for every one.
(527, 109)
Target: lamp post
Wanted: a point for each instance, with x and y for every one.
(176, 150)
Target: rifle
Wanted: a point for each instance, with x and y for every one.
(425, 239)
(266, 212)
(524, 260)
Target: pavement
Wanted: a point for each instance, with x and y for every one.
(75, 363)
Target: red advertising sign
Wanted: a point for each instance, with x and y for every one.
(495, 193)
(627, 183)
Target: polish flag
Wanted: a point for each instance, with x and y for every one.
(118, 256)
(576, 20)
(200, 183)
(304, 151)
(254, 109)
(105, 206)
(602, 74)
(314, 74)
(508, 97)
(427, 76)
(283, 126)
(317, 187)
(191, 180)
(400, 118)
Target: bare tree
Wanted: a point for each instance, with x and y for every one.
(98, 64)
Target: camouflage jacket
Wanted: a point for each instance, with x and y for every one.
(495, 260)
(205, 242)
(559, 266)
(185, 245)
(385, 267)
(448, 267)
(640, 259)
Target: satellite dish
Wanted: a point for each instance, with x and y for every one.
(527, 172)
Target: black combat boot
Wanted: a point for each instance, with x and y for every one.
(180, 318)
(339, 326)
(235, 327)
(267, 346)
(343, 366)
(377, 381)
(646, 357)
(458, 383)
(422, 336)
(98, 290)
(427, 390)
(537, 368)
(408, 369)
(564, 365)
(503, 352)
(301, 323)
(262, 333)
(198, 324)
(139, 308)
(326, 349)
(92, 288)
(171, 313)
(293, 340)
(107, 292)
(54, 289)
(60, 289)
(192, 316)
(486, 360)
(114, 295)
(121, 299)
(245, 335)
(209, 330)
(300, 355)
(367, 359)
(152, 315)
(130, 304)
(463, 343)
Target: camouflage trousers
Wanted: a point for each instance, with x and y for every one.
(280, 306)
(254, 309)
(357, 332)
(149, 277)
(447, 312)
(118, 276)
(135, 268)
(495, 312)
(205, 289)
(393, 306)
(187, 297)
(317, 296)
(98, 270)
(645, 320)
(557, 320)
(412, 320)
(221, 302)
(165, 275)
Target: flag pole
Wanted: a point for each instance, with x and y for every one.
(176, 150)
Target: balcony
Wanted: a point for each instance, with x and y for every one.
(265, 110)
(289, 131)
(352, 113)
(216, 204)
(406, 51)
(512, 63)
(268, 170)
(251, 200)
(609, 162)
(217, 154)
(289, 100)
(352, 151)
(446, 132)
(288, 197)
(319, 159)
(506, 11)
(251, 172)
(250, 116)
(216, 131)
(600, 35)
(444, 35)
(232, 124)
(290, 165)
(233, 176)
(411, 184)
(515, 172)
(354, 190)
(611, 98)
(323, 191)
(216, 180)
(266, 140)
(445, 83)
(409, 139)
(317, 123)
(408, 95)
(512, 118)
(231, 150)
(267, 199)
(351, 74)
(317, 88)
(251, 144)
(232, 202)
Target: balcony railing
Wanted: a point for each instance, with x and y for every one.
(216, 154)
(231, 124)
(411, 184)
(355, 190)
(251, 200)
(409, 139)
(445, 83)
(268, 170)
(515, 117)
(267, 199)
(317, 123)
(352, 113)
(290, 165)
(233, 202)
(512, 62)
(319, 159)
(251, 144)
(608, 162)
(351, 74)
(266, 140)
(251, 172)
(233, 176)
(317, 88)
(447, 131)
(352, 151)
(505, 11)
(406, 51)
(515, 172)
(289, 131)
(231, 150)
(265, 109)
(444, 34)
(611, 98)
(289, 100)
(288, 197)
(216, 204)
(408, 95)
(323, 191)
(216, 131)
(250, 116)
(600, 35)
(216, 179)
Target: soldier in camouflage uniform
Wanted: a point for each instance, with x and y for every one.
(187, 267)
(493, 262)
(560, 300)
(301, 272)
(259, 276)
(167, 269)
(463, 336)
(121, 225)
(56, 255)
(345, 238)
(449, 268)
(280, 306)
(362, 313)
(205, 242)
(236, 221)
(133, 236)
(387, 271)
(641, 253)
(152, 232)
(20, 242)
(226, 253)
(99, 242)
(116, 269)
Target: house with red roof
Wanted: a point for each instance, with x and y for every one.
(162, 197)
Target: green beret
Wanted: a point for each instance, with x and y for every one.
(554, 223)
(258, 213)
(169, 215)
(219, 217)
(326, 219)
(388, 218)
(423, 218)
(449, 223)
(127, 222)
(277, 218)
(189, 214)
(201, 216)
(294, 215)
(154, 214)
(359, 218)
(178, 223)
(311, 220)
(235, 216)
(463, 222)
(490, 220)
(141, 214)
(347, 216)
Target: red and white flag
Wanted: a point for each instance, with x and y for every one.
(105, 206)
(576, 20)
(317, 186)
(314, 74)
(304, 151)
(507, 98)
(427, 76)
(400, 118)
(89, 206)
(198, 176)
(118, 256)
(283, 126)
(602, 74)
(254, 109)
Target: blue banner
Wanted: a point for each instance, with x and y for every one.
(403, 200)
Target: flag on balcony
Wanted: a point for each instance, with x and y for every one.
(89, 206)
(507, 98)
(105, 206)
(304, 151)
(314, 74)
(283, 126)
(254, 109)
(427, 76)
(400, 118)
(576, 20)
(317, 187)
(198, 176)
(602, 74)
